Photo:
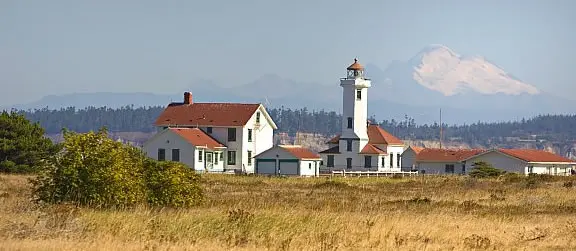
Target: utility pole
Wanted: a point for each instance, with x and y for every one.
(441, 128)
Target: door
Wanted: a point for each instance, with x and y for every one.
(209, 161)
(289, 167)
(266, 166)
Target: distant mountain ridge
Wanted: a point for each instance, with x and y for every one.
(468, 89)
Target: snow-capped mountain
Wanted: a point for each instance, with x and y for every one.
(439, 68)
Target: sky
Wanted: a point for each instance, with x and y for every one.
(59, 47)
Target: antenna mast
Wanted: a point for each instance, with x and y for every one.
(441, 128)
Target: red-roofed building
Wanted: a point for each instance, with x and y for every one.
(288, 160)
(524, 161)
(243, 130)
(361, 146)
(461, 161)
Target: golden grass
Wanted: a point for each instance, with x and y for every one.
(259, 213)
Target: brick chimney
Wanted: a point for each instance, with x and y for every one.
(188, 98)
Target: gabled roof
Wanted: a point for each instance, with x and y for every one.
(445, 155)
(332, 150)
(372, 149)
(207, 114)
(376, 135)
(301, 152)
(197, 137)
(416, 149)
(531, 155)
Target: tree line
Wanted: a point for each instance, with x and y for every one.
(558, 128)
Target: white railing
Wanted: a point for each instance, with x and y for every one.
(372, 173)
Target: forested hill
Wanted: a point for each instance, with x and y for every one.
(551, 128)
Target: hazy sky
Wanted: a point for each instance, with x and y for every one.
(57, 47)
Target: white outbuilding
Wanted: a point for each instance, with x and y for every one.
(291, 160)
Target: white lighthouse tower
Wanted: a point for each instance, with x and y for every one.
(354, 112)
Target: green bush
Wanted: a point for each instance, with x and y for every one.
(485, 170)
(172, 184)
(94, 170)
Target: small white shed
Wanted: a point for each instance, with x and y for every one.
(292, 160)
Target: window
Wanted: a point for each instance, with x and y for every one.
(175, 154)
(216, 158)
(349, 122)
(358, 94)
(200, 155)
(348, 163)
(463, 167)
(249, 158)
(209, 130)
(391, 160)
(367, 161)
(222, 157)
(349, 145)
(449, 168)
(231, 134)
(398, 158)
(249, 135)
(309, 165)
(161, 154)
(231, 157)
(383, 161)
(330, 161)
(530, 169)
(258, 117)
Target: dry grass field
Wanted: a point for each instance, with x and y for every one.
(259, 213)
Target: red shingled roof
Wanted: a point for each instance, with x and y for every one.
(197, 137)
(301, 152)
(207, 114)
(445, 155)
(417, 149)
(534, 155)
(372, 149)
(376, 135)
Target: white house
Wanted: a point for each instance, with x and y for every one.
(244, 129)
(524, 161)
(288, 160)
(436, 160)
(190, 146)
(361, 146)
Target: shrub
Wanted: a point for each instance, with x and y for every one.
(94, 170)
(172, 184)
(485, 170)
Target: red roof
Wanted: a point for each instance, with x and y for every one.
(301, 152)
(372, 149)
(376, 135)
(534, 155)
(417, 149)
(206, 114)
(445, 155)
(197, 137)
(355, 66)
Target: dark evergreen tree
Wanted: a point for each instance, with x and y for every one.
(23, 146)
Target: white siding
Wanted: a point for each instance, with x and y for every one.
(309, 167)
(262, 138)
(438, 167)
(168, 141)
(408, 160)
(500, 161)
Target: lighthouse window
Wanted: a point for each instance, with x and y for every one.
(349, 122)
(358, 94)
